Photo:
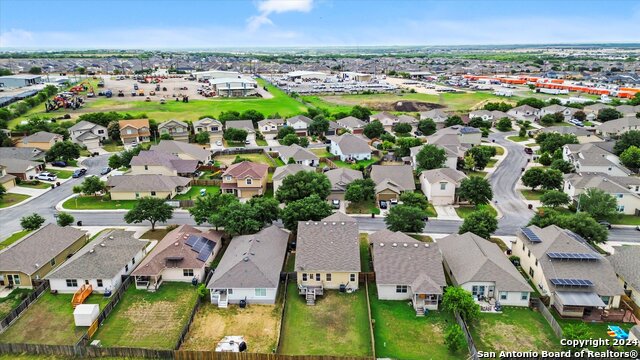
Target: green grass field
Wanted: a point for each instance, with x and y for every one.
(96, 203)
(13, 238)
(517, 138)
(364, 207)
(626, 220)
(532, 194)
(62, 174)
(464, 211)
(10, 199)
(36, 184)
(357, 164)
(11, 301)
(194, 192)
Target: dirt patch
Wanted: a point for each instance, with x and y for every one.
(152, 319)
(510, 337)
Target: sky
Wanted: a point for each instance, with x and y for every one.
(210, 24)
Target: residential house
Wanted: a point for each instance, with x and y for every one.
(300, 124)
(485, 115)
(41, 140)
(269, 127)
(407, 119)
(340, 178)
(183, 150)
(628, 110)
(22, 169)
(350, 147)
(333, 129)
(178, 130)
(327, 257)
(161, 163)
(593, 110)
(250, 269)
(615, 128)
(299, 155)
(567, 112)
(625, 263)
(102, 263)
(212, 126)
(440, 185)
(625, 189)
(181, 256)
(133, 132)
(33, 257)
(584, 136)
(392, 180)
(525, 113)
(88, 134)
(438, 116)
(407, 269)
(384, 117)
(577, 279)
(132, 187)
(245, 179)
(594, 157)
(26, 153)
(246, 125)
(353, 124)
(452, 153)
(7, 181)
(465, 136)
(282, 172)
(480, 267)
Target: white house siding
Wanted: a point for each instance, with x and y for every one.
(335, 150)
(609, 170)
(388, 292)
(60, 285)
(437, 196)
(473, 138)
(513, 297)
(250, 295)
(177, 275)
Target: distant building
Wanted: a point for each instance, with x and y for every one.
(234, 87)
(20, 80)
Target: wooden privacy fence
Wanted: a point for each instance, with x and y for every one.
(557, 329)
(187, 326)
(24, 305)
(284, 304)
(238, 151)
(371, 334)
(206, 182)
(473, 352)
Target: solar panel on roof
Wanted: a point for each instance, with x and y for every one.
(199, 245)
(192, 239)
(531, 235)
(571, 256)
(572, 282)
(576, 236)
(206, 251)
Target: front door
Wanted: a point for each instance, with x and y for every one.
(491, 289)
(13, 279)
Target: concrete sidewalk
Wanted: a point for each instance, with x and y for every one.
(27, 191)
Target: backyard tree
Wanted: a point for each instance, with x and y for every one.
(552, 179)
(240, 219)
(360, 190)
(233, 134)
(554, 198)
(427, 126)
(580, 115)
(607, 114)
(504, 124)
(453, 120)
(319, 126)
(597, 203)
(478, 123)
(209, 205)
(113, 130)
(476, 190)
(430, 157)
(402, 128)
(31, 222)
(149, 209)
(533, 102)
(309, 208)
(581, 223)
(459, 300)
(480, 222)
(284, 131)
(202, 138)
(414, 199)
(92, 185)
(63, 150)
(290, 139)
(360, 112)
(404, 144)
(454, 338)
(550, 142)
(65, 219)
(631, 158)
(533, 177)
(266, 209)
(405, 218)
(564, 166)
(469, 164)
(626, 140)
(373, 130)
(303, 184)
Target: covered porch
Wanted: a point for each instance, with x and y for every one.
(424, 302)
(310, 292)
(149, 283)
(220, 297)
(576, 304)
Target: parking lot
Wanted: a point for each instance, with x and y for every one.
(175, 87)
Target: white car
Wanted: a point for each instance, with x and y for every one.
(219, 143)
(47, 176)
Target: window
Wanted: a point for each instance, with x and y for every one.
(52, 262)
(620, 196)
(100, 131)
(187, 272)
(146, 167)
(443, 186)
(529, 253)
(99, 281)
(133, 260)
(72, 283)
(137, 195)
(401, 289)
(328, 277)
(317, 277)
(14, 279)
(248, 181)
(536, 262)
(126, 268)
(531, 272)
(352, 277)
(261, 292)
(153, 193)
(304, 277)
(605, 299)
(129, 131)
(620, 208)
(503, 295)
(228, 177)
(523, 246)
(524, 295)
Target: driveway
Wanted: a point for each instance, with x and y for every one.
(446, 212)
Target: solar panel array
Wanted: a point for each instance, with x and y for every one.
(531, 235)
(206, 251)
(203, 246)
(192, 239)
(576, 236)
(572, 282)
(573, 256)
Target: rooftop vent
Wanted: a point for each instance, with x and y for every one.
(381, 244)
(245, 259)
(102, 244)
(394, 244)
(92, 251)
(405, 245)
(110, 237)
(342, 223)
(415, 245)
(324, 223)
(426, 245)
(176, 243)
(333, 223)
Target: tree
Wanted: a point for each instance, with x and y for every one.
(360, 112)
(360, 190)
(481, 155)
(304, 142)
(545, 159)
(454, 338)
(427, 127)
(113, 130)
(548, 120)
(414, 199)
(3, 191)
(252, 115)
(533, 102)
(404, 144)
(476, 190)
(233, 134)
(266, 209)
(522, 132)
(501, 106)
(453, 120)
(31, 222)
(469, 164)
(550, 142)
(607, 114)
(552, 179)
(209, 205)
(631, 158)
(309, 208)
(405, 218)
(430, 157)
(554, 198)
(402, 128)
(5, 72)
(576, 331)
(166, 137)
(627, 140)
(92, 185)
(65, 219)
(598, 204)
(581, 223)
(229, 115)
(115, 161)
(63, 150)
(290, 139)
(580, 115)
(533, 177)
(564, 166)
(284, 131)
(319, 126)
(35, 70)
(504, 124)
(458, 300)
(373, 129)
(149, 209)
(202, 138)
(478, 123)
(240, 219)
(480, 222)
(81, 70)
(303, 184)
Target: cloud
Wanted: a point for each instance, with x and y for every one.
(268, 7)
(15, 37)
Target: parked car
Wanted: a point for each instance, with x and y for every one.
(528, 150)
(105, 171)
(638, 227)
(59, 164)
(383, 204)
(394, 201)
(605, 224)
(46, 176)
(78, 173)
(219, 143)
(247, 142)
(335, 203)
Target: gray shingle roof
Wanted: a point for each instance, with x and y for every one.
(18, 166)
(22, 153)
(283, 171)
(111, 252)
(339, 216)
(436, 175)
(84, 125)
(124, 183)
(351, 122)
(626, 262)
(179, 147)
(327, 246)
(342, 177)
(297, 152)
(240, 124)
(40, 136)
(566, 130)
(472, 258)
(397, 176)
(351, 144)
(160, 158)
(252, 261)
(37, 249)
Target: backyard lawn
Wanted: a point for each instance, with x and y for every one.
(321, 152)
(49, 321)
(516, 329)
(260, 158)
(194, 192)
(365, 253)
(96, 203)
(12, 300)
(532, 194)
(337, 325)
(597, 330)
(10, 199)
(363, 207)
(357, 165)
(400, 334)
(464, 211)
(149, 319)
(259, 324)
(13, 238)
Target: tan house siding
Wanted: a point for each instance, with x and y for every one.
(152, 169)
(337, 278)
(8, 184)
(38, 145)
(131, 195)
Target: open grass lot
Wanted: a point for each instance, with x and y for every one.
(464, 211)
(96, 203)
(113, 147)
(337, 325)
(49, 321)
(13, 238)
(597, 330)
(149, 319)
(516, 329)
(260, 158)
(532, 194)
(363, 207)
(320, 102)
(194, 192)
(517, 138)
(14, 299)
(399, 334)
(10, 199)
(62, 174)
(259, 324)
(626, 220)
(357, 164)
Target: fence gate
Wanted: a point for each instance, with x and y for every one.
(92, 329)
